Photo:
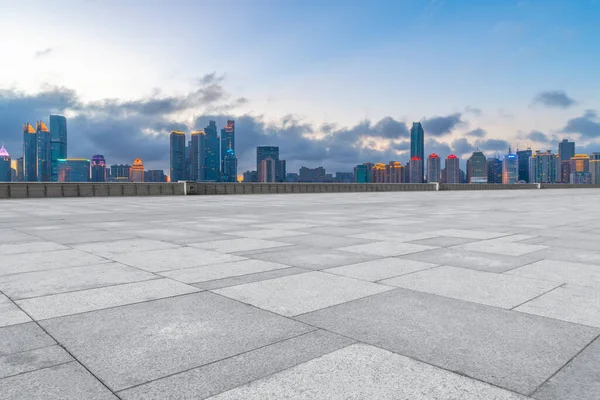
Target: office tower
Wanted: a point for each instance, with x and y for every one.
(250, 176)
(395, 172)
(17, 167)
(44, 152)
(197, 156)
(595, 168)
(510, 168)
(264, 152)
(177, 164)
(433, 168)
(566, 150)
(58, 143)
(229, 167)
(136, 173)
(417, 141)
(362, 174)
(312, 174)
(477, 168)
(523, 161)
(5, 166)
(544, 167)
(29, 153)
(281, 171)
(73, 170)
(98, 168)
(119, 173)
(187, 164)
(267, 170)
(341, 177)
(416, 170)
(580, 169)
(227, 141)
(211, 153)
(494, 168)
(155, 175)
(452, 169)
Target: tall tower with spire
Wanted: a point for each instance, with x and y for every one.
(5, 172)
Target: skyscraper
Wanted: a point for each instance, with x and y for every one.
(510, 168)
(177, 156)
(5, 168)
(452, 169)
(267, 169)
(264, 152)
(416, 170)
(395, 172)
(44, 152)
(119, 172)
(227, 141)
(211, 152)
(73, 170)
(417, 141)
(595, 168)
(362, 174)
(58, 143)
(566, 150)
(433, 168)
(29, 153)
(544, 167)
(494, 167)
(523, 161)
(197, 156)
(477, 168)
(580, 169)
(229, 167)
(98, 168)
(136, 173)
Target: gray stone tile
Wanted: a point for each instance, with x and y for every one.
(289, 226)
(571, 255)
(561, 272)
(23, 337)
(386, 249)
(203, 382)
(257, 277)
(32, 360)
(469, 234)
(111, 249)
(501, 247)
(42, 283)
(442, 241)
(130, 345)
(265, 233)
(55, 383)
(19, 263)
(312, 258)
(323, 241)
(365, 372)
(476, 286)
(10, 314)
(577, 304)
(8, 236)
(394, 236)
(177, 258)
(473, 259)
(220, 271)
(578, 380)
(238, 245)
(513, 350)
(299, 294)
(80, 301)
(29, 247)
(74, 236)
(380, 269)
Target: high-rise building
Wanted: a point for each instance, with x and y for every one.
(5, 166)
(44, 152)
(494, 168)
(229, 167)
(187, 164)
(136, 173)
(267, 170)
(477, 168)
(58, 143)
(211, 153)
(264, 152)
(98, 168)
(17, 167)
(452, 169)
(595, 168)
(119, 173)
(73, 170)
(566, 150)
(510, 168)
(227, 141)
(523, 161)
(416, 170)
(433, 168)
(197, 156)
(362, 174)
(312, 174)
(381, 175)
(155, 175)
(29, 153)
(177, 164)
(544, 167)
(250, 176)
(396, 172)
(417, 141)
(340, 177)
(580, 169)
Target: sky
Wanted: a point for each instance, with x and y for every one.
(334, 83)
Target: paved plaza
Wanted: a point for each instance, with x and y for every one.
(463, 295)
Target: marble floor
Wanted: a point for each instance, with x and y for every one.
(415, 295)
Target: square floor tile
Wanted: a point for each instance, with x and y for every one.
(386, 249)
(380, 269)
(10, 314)
(365, 372)
(561, 272)
(220, 271)
(18, 263)
(299, 294)
(312, 258)
(513, 350)
(23, 337)
(29, 247)
(238, 245)
(130, 345)
(31, 360)
(479, 287)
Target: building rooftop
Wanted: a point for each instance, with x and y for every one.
(404, 295)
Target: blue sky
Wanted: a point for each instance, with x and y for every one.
(304, 74)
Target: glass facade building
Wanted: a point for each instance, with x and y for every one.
(494, 167)
(197, 159)
(29, 153)
(523, 160)
(58, 143)
(44, 153)
(544, 167)
(417, 141)
(98, 168)
(177, 162)
(211, 153)
(477, 168)
(510, 169)
(230, 167)
(227, 142)
(5, 166)
(73, 170)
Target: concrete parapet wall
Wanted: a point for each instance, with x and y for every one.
(21, 190)
(211, 188)
(487, 186)
(568, 186)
